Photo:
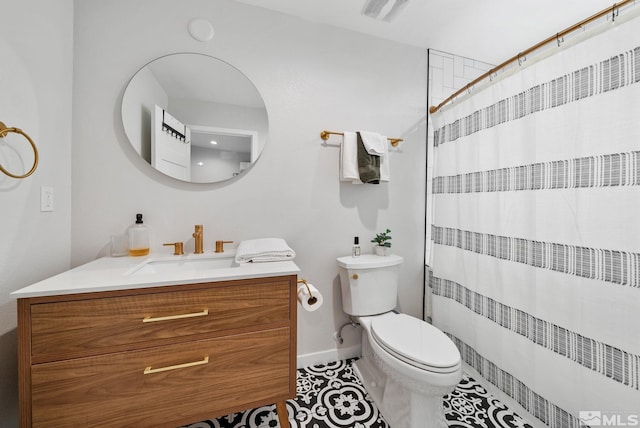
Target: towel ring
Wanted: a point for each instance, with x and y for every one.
(3, 133)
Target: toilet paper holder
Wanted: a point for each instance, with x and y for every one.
(312, 299)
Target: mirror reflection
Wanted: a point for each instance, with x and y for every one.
(194, 118)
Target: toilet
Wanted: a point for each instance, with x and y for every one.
(407, 365)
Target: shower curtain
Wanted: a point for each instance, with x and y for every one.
(535, 252)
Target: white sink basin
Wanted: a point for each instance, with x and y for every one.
(166, 266)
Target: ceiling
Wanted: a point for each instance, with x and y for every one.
(489, 30)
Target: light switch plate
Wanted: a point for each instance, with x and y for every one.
(46, 199)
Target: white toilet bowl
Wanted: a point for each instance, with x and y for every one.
(407, 366)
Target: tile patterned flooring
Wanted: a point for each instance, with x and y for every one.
(332, 396)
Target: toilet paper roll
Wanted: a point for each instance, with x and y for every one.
(309, 302)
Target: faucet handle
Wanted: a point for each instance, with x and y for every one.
(178, 248)
(220, 246)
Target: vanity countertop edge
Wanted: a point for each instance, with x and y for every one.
(114, 273)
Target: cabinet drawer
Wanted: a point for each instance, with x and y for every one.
(246, 370)
(75, 328)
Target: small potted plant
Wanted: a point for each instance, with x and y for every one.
(382, 243)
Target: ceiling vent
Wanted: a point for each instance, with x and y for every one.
(383, 10)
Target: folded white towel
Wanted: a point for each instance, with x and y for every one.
(264, 250)
(374, 143)
(349, 158)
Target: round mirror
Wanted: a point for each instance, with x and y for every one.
(194, 118)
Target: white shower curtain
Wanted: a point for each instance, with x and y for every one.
(535, 252)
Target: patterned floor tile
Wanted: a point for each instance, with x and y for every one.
(471, 406)
(332, 396)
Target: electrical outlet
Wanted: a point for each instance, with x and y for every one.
(46, 199)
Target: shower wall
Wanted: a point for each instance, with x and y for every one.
(449, 72)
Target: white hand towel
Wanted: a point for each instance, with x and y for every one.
(264, 250)
(374, 143)
(349, 158)
(385, 170)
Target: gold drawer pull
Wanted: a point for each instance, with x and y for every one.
(149, 370)
(176, 317)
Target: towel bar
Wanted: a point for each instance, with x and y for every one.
(325, 136)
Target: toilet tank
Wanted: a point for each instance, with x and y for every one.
(369, 283)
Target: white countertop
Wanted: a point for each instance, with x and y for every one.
(123, 273)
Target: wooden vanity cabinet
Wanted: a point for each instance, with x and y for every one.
(157, 357)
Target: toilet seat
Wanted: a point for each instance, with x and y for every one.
(415, 342)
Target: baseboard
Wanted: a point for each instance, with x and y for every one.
(328, 356)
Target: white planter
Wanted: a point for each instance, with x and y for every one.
(381, 251)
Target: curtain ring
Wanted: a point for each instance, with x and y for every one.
(3, 133)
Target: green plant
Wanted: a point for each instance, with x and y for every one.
(382, 239)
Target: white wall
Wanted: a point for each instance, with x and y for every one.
(311, 77)
(35, 95)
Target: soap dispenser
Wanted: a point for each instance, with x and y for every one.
(138, 238)
(355, 250)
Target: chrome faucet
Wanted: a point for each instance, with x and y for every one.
(198, 235)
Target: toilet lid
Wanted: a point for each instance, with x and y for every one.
(415, 342)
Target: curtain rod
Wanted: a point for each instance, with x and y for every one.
(555, 37)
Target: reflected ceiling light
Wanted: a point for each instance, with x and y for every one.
(200, 163)
(385, 10)
(214, 142)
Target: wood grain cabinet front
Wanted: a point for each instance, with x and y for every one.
(158, 357)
